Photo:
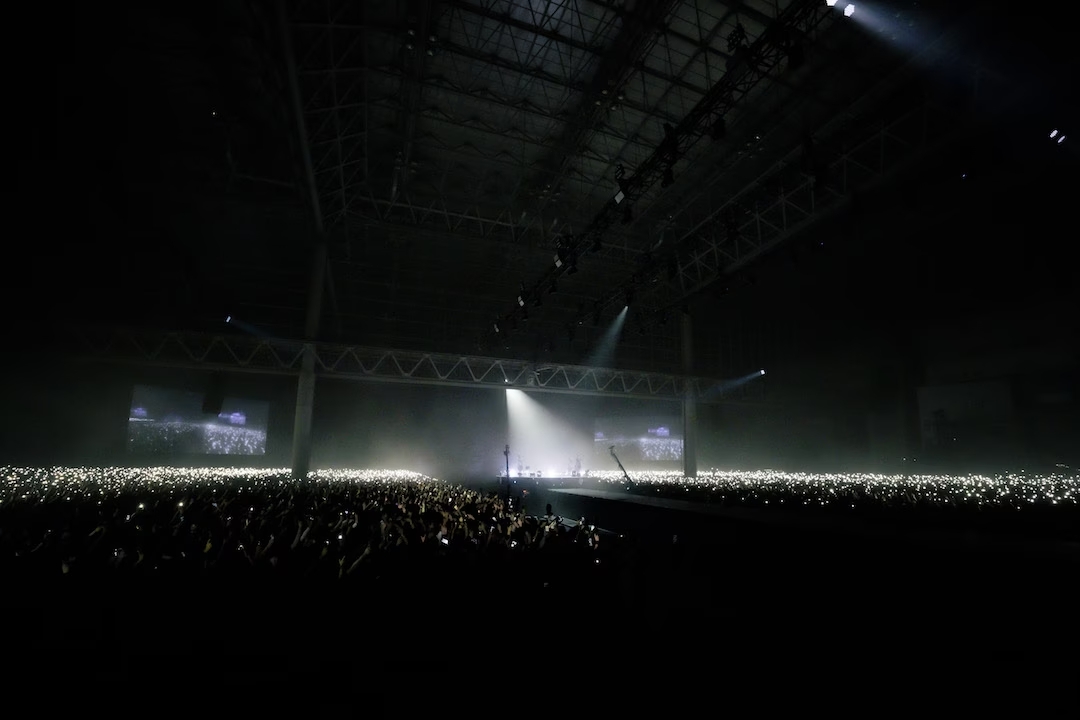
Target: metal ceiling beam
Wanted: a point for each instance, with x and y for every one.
(840, 117)
(523, 106)
(411, 91)
(645, 20)
(787, 198)
(318, 284)
(734, 6)
(511, 21)
(786, 201)
(622, 58)
(701, 46)
(760, 61)
(284, 357)
(341, 159)
(444, 205)
(474, 221)
(489, 59)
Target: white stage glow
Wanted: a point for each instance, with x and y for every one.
(540, 441)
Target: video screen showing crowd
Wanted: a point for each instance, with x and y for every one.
(167, 421)
(638, 441)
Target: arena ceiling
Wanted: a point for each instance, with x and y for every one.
(461, 158)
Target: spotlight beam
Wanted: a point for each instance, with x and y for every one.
(725, 387)
(604, 351)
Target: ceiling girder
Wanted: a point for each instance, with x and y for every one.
(789, 197)
(522, 106)
(633, 42)
(759, 61)
(489, 59)
(273, 356)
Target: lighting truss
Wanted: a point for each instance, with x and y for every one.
(785, 200)
(284, 357)
(758, 63)
(768, 211)
(436, 214)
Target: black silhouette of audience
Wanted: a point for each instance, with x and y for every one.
(351, 533)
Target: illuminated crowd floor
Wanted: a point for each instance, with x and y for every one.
(673, 567)
(1015, 490)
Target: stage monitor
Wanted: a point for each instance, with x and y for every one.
(639, 440)
(167, 421)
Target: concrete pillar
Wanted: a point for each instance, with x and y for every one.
(689, 402)
(305, 389)
(305, 404)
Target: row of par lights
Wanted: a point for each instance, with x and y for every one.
(849, 8)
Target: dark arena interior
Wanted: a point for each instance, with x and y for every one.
(650, 317)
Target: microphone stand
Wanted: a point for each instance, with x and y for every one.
(625, 474)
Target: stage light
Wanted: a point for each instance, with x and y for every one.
(1061, 139)
(1053, 134)
(496, 326)
(849, 10)
(228, 318)
(830, 3)
(762, 371)
(521, 301)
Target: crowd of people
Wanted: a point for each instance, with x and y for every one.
(1018, 491)
(356, 528)
(1041, 504)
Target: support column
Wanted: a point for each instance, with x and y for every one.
(689, 402)
(305, 389)
(305, 405)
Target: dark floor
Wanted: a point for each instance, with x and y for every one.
(667, 577)
(688, 555)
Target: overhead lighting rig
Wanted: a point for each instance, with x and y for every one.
(707, 118)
